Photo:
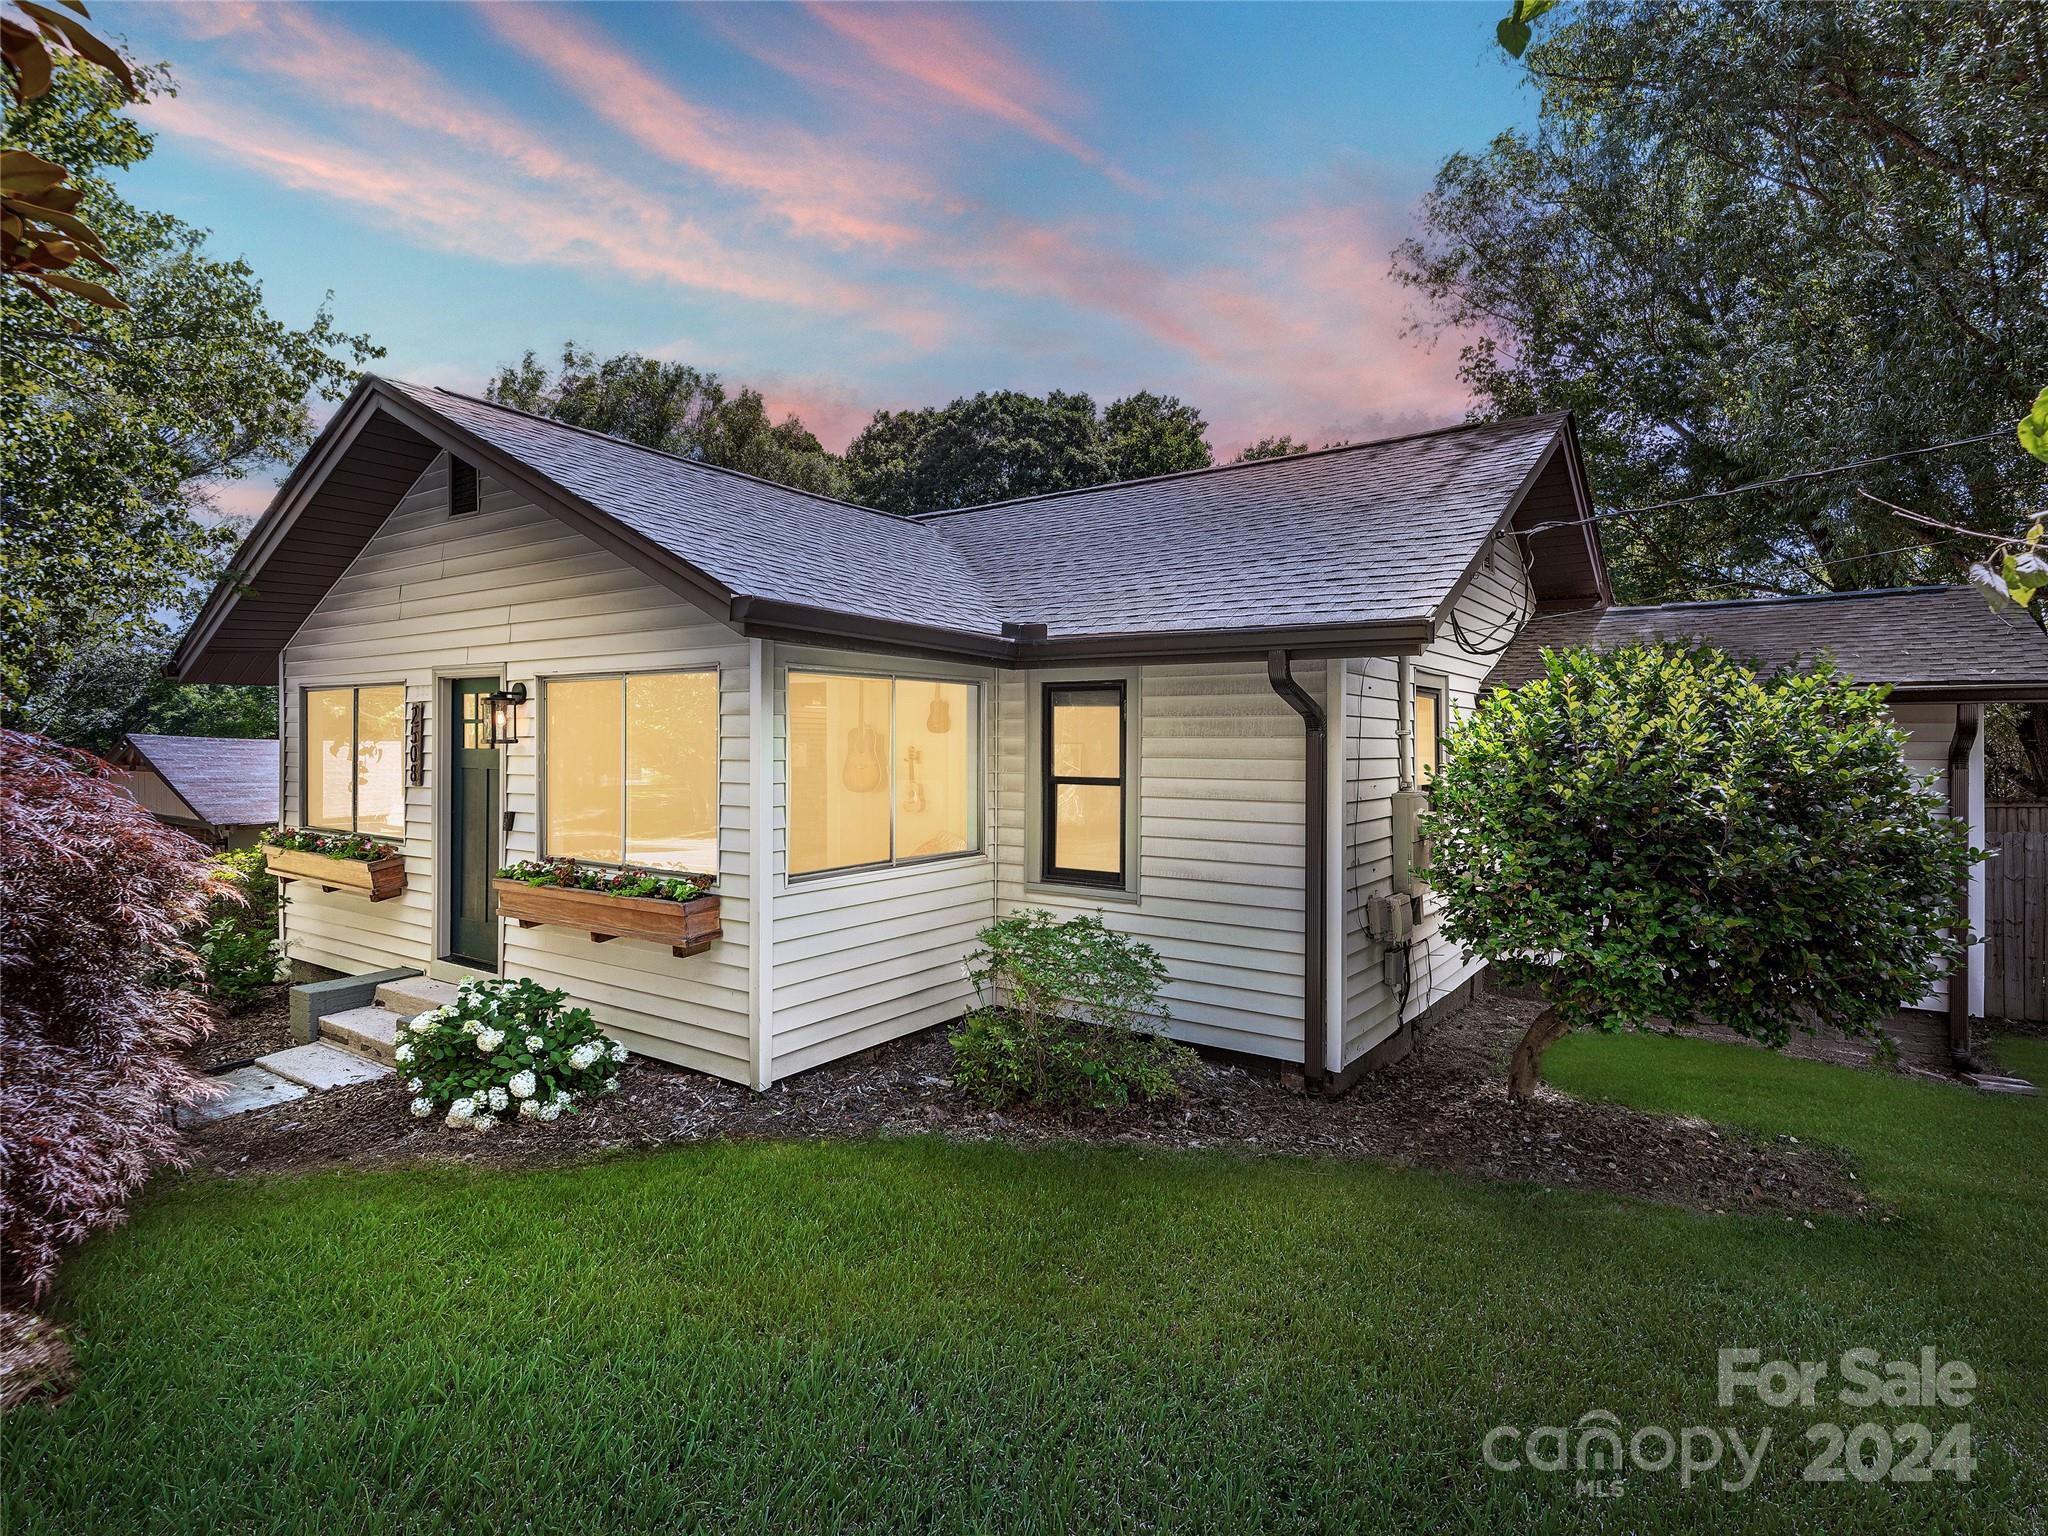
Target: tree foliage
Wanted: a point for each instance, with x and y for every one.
(1001, 444)
(112, 426)
(1757, 237)
(103, 688)
(674, 407)
(1666, 833)
(100, 899)
(1271, 448)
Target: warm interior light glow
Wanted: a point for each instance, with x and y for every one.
(839, 771)
(933, 814)
(672, 771)
(1085, 727)
(585, 758)
(1427, 725)
(355, 760)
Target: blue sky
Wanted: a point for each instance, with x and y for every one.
(847, 206)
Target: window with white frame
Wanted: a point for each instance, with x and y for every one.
(881, 770)
(354, 769)
(630, 770)
(1432, 700)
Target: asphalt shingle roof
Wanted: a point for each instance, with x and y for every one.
(754, 537)
(231, 781)
(1369, 532)
(1911, 637)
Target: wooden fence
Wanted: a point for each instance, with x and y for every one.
(2016, 911)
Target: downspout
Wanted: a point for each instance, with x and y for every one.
(1968, 718)
(1314, 866)
(1404, 735)
(283, 785)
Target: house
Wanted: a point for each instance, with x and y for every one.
(1199, 704)
(221, 789)
(1940, 649)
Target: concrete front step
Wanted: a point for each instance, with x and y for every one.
(414, 996)
(368, 1032)
(321, 1067)
(245, 1088)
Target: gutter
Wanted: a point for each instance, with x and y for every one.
(1968, 719)
(1314, 865)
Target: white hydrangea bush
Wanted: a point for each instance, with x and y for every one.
(505, 1048)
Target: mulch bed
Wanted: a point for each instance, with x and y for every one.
(1442, 1108)
(255, 1029)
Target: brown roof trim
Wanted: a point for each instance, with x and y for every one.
(761, 618)
(1963, 693)
(1566, 442)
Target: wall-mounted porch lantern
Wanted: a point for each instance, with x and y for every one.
(504, 727)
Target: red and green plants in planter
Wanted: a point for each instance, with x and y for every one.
(568, 875)
(329, 845)
(505, 1048)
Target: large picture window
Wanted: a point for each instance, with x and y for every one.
(881, 770)
(631, 771)
(1083, 820)
(355, 762)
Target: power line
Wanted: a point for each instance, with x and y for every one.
(1761, 485)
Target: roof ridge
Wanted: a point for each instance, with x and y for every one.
(661, 453)
(1917, 590)
(1242, 464)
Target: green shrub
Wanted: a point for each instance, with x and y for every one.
(1067, 1017)
(238, 944)
(502, 1048)
(570, 875)
(1663, 832)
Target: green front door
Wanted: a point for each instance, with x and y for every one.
(472, 825)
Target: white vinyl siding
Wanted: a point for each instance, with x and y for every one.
(1930, 729)
(1217, 772)
(864, 956)
(1486, 610)
(509, 590)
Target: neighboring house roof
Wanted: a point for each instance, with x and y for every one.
(228, 781)
(1930, 642)
(1347, 550)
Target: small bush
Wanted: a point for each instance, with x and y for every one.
(238, 944)
(505, 1048)
(99, 898)
(1067, 1017)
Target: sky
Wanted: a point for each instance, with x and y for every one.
(849, 207)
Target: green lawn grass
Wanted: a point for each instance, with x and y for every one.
(913, 1335)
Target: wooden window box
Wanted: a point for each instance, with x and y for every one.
(687, 927)
(378, 879)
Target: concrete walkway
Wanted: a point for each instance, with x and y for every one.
(281, 1077)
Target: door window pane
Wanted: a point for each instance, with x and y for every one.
(585, 751)
(672, 771)
(330, 758)
(380, 762)
(839, 771)
(934, 769)
(1088, 828)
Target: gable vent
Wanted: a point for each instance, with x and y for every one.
(462, 491)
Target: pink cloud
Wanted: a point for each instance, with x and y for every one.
(819, 187)
(959, 62)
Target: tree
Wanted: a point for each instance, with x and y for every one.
(674, 407)
(42, 237)
(100, 897)
(1753, 238)
(113, 422)
(1660, 833)
(1154, 435)
(103, 689)
(1004, 443)
(1271, 448)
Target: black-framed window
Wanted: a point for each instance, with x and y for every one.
(1429, 730)
(1084, 769)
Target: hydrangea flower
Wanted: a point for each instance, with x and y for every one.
(529, 1109)
(488, 1040)
(522, 1085)
(535, 1043)
(498, 1099)
(461, 1112)
(585, 1054)
(563, 1098)
(421, 1108)
(618, 1051)
(549, 1112)
(403, 1053)
(415, 1085)
(611, 1085)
